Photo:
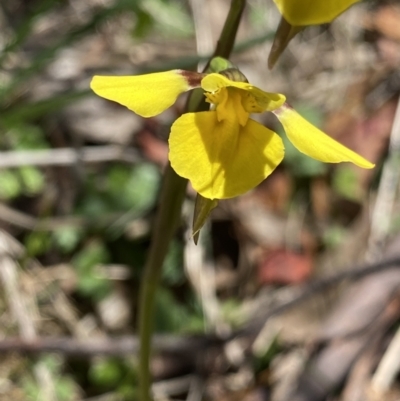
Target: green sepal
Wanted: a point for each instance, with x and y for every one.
(202, 209)
(284, 34)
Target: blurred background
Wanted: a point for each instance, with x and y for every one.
(236, 317)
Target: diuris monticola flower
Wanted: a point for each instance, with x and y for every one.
(223, 152)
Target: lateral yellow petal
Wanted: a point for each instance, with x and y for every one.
(312, 12)
(146, 95)
(222, 159)
(258, 102)
(309, 140)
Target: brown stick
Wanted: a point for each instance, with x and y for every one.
(121, 346)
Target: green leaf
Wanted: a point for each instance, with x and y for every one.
(32, 180)
(85, 262)
(64, 385)
(21, 136)
(105, 373)
(37, 243)
(172, 316)
(134, 188)
(67, 238)
(10, 186)
(143, 24)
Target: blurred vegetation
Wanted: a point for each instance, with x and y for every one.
(99, 215)
(30, 44)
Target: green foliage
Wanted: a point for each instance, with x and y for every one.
(32, 180)
(118, 188)
(133, 188)
(26, 180)
(143, 23)
(112, 374)
(345, 182)
(123, 188)
(334, 235)
(93, 204)
(173, 316)
(37, 243)
(85, 262)
(10, 185)
(24, 136)
(106, 373)
(64, 386)
(264, 359)
(25, 27)
(22, 181)
(67, 238)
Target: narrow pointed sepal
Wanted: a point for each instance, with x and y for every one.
(147, 95)
(202, 210)
(284, 34)
(311, 141)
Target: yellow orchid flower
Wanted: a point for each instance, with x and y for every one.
(223, 152)
(312, 12)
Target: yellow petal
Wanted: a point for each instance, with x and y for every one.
(309, 140)
(312, 12)
(229, 105)
(222, 159)
(259, 101)
(149, 94)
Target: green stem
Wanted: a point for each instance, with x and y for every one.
(172, 196)
(166, 221)
(228, 35)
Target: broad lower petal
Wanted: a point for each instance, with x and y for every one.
(309, 140)
(149, 94)
(258, 102)
(312, 12)
(222, 159)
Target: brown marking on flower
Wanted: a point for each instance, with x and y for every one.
(234, 75)
(193, 78)
(281, 109)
